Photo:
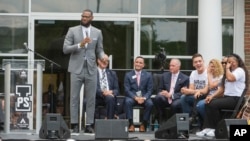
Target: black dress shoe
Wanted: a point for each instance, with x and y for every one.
(75, 129)
(89, 129)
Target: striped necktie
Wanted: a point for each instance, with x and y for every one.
(104, 81)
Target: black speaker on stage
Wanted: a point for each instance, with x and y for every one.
(222, 131)
(54, 127)
(111, 129)
(177, 127)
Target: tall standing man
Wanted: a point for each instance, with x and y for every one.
(85, 43)
(138, 85)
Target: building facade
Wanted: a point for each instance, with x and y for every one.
(35, 29)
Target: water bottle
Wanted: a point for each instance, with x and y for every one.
(148, 128)
(156, 125)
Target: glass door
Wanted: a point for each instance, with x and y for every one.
(47, 37)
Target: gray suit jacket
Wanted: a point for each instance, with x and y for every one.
(78, 55)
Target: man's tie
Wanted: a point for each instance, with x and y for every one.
(138, 78)
(171, 88)
(87, 35)
(103, 81)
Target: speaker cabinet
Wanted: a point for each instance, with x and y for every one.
(176, 127)
(111, 129)
(54, 127)
(222, 131)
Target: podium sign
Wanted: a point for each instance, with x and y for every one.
(19, 95)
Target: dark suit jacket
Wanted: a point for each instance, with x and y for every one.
(112, 81)
(182, 81)
(131, 87)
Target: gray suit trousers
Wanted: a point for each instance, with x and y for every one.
(90, 84)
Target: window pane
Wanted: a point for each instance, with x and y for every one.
(227, 36)
(176, 36)
(15, 77)
(227, 7)
(169, 7)
(97, 6)
(13, 33)
(14, 6)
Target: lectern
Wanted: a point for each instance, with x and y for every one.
(23, 101)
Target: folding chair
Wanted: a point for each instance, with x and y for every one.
(233, 113)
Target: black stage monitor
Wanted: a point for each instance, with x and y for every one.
(54, 127)
(177, 127)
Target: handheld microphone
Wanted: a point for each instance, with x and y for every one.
(87, 34)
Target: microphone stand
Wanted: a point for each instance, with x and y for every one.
(52, 63)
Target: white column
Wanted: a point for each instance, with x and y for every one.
(210, 29)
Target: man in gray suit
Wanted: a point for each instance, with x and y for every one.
(85, 43)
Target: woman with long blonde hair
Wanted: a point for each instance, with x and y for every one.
(215, 73)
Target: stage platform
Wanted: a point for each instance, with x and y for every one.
(145, 136)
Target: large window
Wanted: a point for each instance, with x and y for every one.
(14, 6)
(98, 6)
(170, 7)
(176, 36)
(227, 36)
(13, 33)
(173, 26)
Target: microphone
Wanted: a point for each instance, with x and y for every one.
(87, 34)
(26, 45)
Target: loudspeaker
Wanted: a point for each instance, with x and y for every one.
(176, 127)
(54, 127)
(222, 131)
(111, 129)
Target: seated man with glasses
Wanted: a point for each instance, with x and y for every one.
(107, 88)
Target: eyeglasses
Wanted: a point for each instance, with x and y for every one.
(223, 63)
(86, 16)
(106, 61)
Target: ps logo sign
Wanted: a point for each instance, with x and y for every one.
(23, 101)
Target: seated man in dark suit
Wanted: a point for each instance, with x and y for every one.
(138, 85)
(107, 88)
(170, 89)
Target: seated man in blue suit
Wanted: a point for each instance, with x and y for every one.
(170, 90)
(107, 87)
(138, 85)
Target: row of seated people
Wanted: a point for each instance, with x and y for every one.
(202, 94)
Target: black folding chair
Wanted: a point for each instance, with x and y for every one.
(233, 113)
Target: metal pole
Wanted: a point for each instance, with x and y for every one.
(39, 98)
(7, 97)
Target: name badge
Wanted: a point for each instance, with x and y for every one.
(138, 93)
(134, 76)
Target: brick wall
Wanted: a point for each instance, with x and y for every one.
(247, 37)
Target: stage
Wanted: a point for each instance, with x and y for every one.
(146, 136)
